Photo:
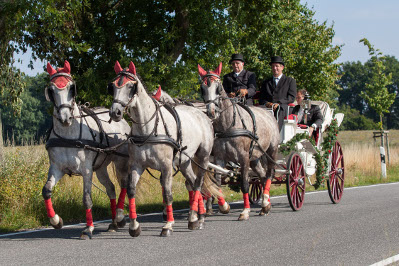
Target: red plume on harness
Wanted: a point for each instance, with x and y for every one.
(59, 81)
(157, 95)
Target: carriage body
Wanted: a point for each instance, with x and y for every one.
(300, 164)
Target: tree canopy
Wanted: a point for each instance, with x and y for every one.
(167, 39)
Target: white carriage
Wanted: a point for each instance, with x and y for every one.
(293, 169)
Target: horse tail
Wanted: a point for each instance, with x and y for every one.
(209, 186)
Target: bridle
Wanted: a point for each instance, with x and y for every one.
(121, 75)
(72, 86)
(206, 79)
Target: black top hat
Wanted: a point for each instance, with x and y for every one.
(235, 57)
(276, 59)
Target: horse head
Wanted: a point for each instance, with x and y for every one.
(211, 90)
(61, 92)
(123, 88)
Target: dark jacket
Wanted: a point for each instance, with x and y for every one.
(283, 94)
(314, 116)
(246, 80)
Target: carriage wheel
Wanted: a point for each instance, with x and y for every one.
(296, 182)
(255, 191)
(335, 183)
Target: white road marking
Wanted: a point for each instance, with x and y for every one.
(387, 261)
(183, 210)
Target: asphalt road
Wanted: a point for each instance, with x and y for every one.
(361, 230)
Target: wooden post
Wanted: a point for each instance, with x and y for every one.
(387, 142)
(1, 140)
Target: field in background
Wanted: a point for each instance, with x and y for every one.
(24, 172)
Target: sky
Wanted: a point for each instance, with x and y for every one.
(352, 20)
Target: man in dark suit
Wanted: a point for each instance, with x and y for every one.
(240, 82)
(278, 91)
(314, 117)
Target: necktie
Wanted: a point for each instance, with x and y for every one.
(276, 81)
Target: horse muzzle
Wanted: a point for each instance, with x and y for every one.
(212, 111)
(65, 117)
(116, 112)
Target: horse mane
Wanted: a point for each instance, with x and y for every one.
(142, 82)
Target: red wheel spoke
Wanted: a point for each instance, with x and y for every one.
(299, 196)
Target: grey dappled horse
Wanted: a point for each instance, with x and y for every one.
(237, 141)
(208, 196)
(74, 128)
(156, 142)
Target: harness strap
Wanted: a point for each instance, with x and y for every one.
(151, 139)
(236, 132)
(246, 108)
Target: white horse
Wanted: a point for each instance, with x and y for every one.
(224, 208)
(161, 137)
(73, 148)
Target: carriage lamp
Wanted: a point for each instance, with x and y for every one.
(306, 106)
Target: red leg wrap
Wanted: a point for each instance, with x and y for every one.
(49, 208)
(132, 208)
(194, 206)
(169, 213)
(89, 218)
(113, 208)
(221, 200)
(190, 197)
(201, 207)
(266, 189)
(246, 200)
(121, 200)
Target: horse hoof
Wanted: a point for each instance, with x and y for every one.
(265, 210)
(122, 223)
(112, 228)
(166, 232)
(193, 225)
(224, 211)
(243, 217)
(59, 225)
(209, 213)
(201, 225)
(86, 235)
(135, 233)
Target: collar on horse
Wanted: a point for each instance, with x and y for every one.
(93, 145)
(153, 137)
(232, 132)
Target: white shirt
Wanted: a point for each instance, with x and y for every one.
(276, 80)
(237, 74)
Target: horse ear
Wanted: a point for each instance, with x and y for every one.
(50, 69)
(157, 95)
(67, 67)
(218, 70)
(201, 71)
(132, 68)
(117, 67)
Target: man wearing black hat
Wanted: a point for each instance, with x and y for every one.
(278, 91)
(240, 82)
